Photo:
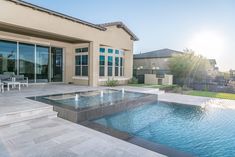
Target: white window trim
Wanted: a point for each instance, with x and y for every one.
(80, 78)
(115, 78)
(81, 54)
(114, 55)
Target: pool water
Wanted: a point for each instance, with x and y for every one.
(208, 132)
(92, 98)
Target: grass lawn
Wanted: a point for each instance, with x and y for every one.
(211, 94)
(193, 92)
(152, 86)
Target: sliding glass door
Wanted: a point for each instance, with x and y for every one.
(42, 64)
(27, 61)
(56, 64)
(8, 57)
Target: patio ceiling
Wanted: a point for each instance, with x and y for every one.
(40, 34)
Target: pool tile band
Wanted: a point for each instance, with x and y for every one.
(100, 111)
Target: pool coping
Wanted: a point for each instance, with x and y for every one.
(100, 111)
(94, 112)
(122, 135)
(50, 102)
(155, 147)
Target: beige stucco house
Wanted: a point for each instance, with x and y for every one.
(153, 67)
(157, 59)
(47, 46)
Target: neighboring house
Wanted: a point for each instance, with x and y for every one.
(47, 46)
(232, 75)
(213, 70)
(154, 62)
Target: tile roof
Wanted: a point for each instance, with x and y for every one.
(120, 24)
(163, 53)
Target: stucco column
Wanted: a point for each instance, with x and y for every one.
(128, 64)
(93, 63)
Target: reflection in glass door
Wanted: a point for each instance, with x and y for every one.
(8, 57)
(37, 63)
(42, 64)
(26, 61)
(56, 64)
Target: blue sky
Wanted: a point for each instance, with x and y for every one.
(206, 26)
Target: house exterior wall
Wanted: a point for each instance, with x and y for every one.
(28, 19)
(149, 63)
(152, 79)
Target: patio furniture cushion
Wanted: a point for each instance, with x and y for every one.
(5, 77)
(19, 77)
(11, 74)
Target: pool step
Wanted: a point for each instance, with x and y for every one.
(144, 90)
(16, 117)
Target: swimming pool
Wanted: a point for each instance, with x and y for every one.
(204, 132)
(86, 105)
(88, 99)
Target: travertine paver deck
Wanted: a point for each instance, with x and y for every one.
(184, 99)
(15, 101)
(56, 137)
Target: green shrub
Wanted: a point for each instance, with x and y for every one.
(133, 80)
(177, 90)
(185, 88)
(206, 88)
(111, 83)
(168, 87)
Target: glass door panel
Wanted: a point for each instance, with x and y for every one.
(56, 64)
(8, 57)
(26, 61)
(42, 64)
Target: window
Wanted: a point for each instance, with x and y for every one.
(121, 52)
(56, 64)
(81, 68)
(121, 67)
(81, 62)
(110, 50)
(102, 65)
(102, 50)
(84, 65)
(110, 66)
(116, 52)
(78, 66)
(81, 50)
(8, 56)
(111, 63)
(33, 61)
(42, 64)
(116, 66)
(27, 61)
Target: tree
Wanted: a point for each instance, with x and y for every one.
(189, 67)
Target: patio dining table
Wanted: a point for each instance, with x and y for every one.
(13, 84)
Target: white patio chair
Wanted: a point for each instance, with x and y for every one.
(1, 87)
(23, 80)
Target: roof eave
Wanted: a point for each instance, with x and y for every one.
(123, 26)
(133, 36)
